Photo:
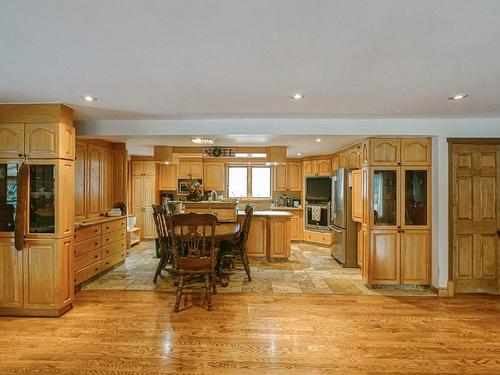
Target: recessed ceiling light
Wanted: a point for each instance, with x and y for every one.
(318, 140)
(458, 96)
(89, 98)
(297, 96)
(299, 154)
(204, 140)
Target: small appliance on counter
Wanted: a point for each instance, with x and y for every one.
(296, 203)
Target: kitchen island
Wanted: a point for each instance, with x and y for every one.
(269, 234)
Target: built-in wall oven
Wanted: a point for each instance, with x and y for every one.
(318, 216)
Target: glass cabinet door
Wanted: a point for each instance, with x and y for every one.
(385, 197)
(42, 199)
(415, 200)
(8, 196)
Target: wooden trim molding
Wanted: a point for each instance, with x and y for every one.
(494, 141)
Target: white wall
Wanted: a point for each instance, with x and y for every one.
(439, 129)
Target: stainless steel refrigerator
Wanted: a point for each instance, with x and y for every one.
(344, 229)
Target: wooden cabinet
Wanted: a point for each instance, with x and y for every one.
(214, 176)
(143, 196)
(416, 151)
(385, 151)
(385, 257)
(98, 247)
(53, 140)
(279, 237)
(257, 237)
(80, 180)
(95, 190)
(11, 270)
(415, 257)
(321, 167)
(296, 226)
(357, 196)
(280, 180)
(322, 238)
(288, 177)
(294, 176)
(11, 141)
(190, 169)
(168, 177)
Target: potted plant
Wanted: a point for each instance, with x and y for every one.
(195, 190)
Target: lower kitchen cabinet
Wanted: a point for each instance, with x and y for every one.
(296, 225)
(415, 257)
(257, 237)
(322, 238)
(384, 257)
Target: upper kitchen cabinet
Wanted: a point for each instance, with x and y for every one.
(11, 141)
(190, 169)
(320, 167)
(385, 151)
(279, 180)
(416, 151)
(47, 141)
(143, 168)
(335, 162)
(294, 176)
(214, 176)
(168, 177)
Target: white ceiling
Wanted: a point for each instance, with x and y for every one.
(242, 59)
(307, 145)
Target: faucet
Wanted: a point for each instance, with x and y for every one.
(213, 195)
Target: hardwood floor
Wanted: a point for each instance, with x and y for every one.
(137, 332)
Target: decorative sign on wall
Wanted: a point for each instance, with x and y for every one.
(218, 152)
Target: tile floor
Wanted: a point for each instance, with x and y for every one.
(310, 270)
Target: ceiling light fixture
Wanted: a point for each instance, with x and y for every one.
(297, 96)
(204, 140)
(458, 97)
(318, 140)
(299, 154)
(89, 98)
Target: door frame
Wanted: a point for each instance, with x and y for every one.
(451, 142)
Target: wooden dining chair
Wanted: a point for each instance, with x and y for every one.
(194, 251)
(237, 248)
(161, 218)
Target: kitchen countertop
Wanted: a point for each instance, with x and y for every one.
(284, 208)
(268, 213)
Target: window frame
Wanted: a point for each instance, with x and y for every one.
(249, 180)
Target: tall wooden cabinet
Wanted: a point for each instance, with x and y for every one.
(392, 204)
(37, 149)
(143, 196)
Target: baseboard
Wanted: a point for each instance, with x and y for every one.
(442, 292)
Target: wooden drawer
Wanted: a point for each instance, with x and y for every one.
(112, 237)
(224, 215)
(112, 260)
(87, 259)
(87, 272)
(113, 248)
(84, 247)
(318, 237)
(85, 233)
(113, 225)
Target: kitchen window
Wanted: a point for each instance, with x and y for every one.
(249, 182)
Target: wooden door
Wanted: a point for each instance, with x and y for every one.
(214, 176)
(384, 257)
(11, 274)
(41, 140)
(475, 222)
(168, 177)
(357, 196)
(309, 167)
(415, 151)
(280, 182)
(294, 227)
(11, 141)
(384, 151)
(95, 180)
(107, 176)
(324, 167)
(294, 176)
(415, 257)
(80, 179)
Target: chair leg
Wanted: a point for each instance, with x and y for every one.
(213, 280)
(179, 293)
(208, 281)
(246, 264)
(161, 265)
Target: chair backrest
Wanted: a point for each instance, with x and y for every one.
(160, 217)
(193, 239)
(246, 225)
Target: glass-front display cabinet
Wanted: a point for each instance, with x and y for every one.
(415, 198)
(42, 198)
(8, 195)
(385, 197)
